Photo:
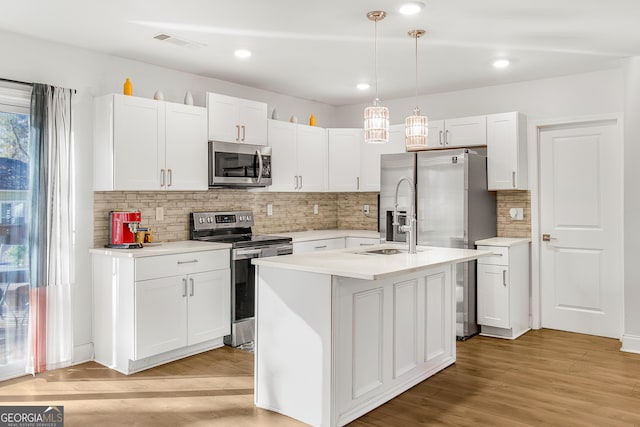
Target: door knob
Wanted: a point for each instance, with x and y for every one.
(547, 238)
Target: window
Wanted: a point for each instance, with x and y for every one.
(14, 200)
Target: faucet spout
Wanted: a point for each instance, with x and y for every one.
(411, 227)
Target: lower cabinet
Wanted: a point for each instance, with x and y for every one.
(200, 309)
(389, 335)
(318, 245)
(503, 287)
(155, 309)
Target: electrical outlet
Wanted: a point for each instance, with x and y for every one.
(315, 209)
(269, 209)
(365, 209)
(159, 213)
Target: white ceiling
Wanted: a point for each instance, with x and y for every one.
(321, 49)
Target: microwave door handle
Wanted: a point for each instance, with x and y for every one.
(260, 164)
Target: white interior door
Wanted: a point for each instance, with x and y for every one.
(581, 205)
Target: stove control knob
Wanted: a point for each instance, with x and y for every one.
(209, 220)
(249, 218)
(241, 218)
(201, 220)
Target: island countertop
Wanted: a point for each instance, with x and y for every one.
(358, 264)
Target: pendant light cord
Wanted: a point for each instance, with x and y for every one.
(416, 37)
(375, 56)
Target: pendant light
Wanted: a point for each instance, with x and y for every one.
(376, 117)
(416, 130)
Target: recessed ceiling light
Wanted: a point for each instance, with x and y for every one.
(363, 86)
(501, 63)
(242, 53)
(411, 8)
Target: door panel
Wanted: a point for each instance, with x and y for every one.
(405, 325)
(186, 147)
(581, 211)
(209, 308)
(367, 341)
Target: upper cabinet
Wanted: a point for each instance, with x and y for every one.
(236, 120)
(298, 157)
(507, 151)
(147, 145)
(461, 132)
(354, 165)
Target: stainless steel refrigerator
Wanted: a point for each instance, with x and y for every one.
(453, 206)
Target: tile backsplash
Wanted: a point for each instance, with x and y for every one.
(291, 211)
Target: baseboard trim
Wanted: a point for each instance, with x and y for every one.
(82, 353)
(630, 343)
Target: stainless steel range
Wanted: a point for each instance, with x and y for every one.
(235, 228)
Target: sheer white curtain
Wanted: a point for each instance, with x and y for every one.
(53, 208)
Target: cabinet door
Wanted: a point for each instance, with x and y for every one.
(252, 118)
(139, 143)
(344, 159)
(222, 114)
(466, 131)
(435, 133)
(505, 169)
(493, 295)
(186, 152)
(209, 306)
(160, 315)
(312, 158)
(370, 157)
(284, 171)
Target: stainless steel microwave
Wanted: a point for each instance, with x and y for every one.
(239, 165)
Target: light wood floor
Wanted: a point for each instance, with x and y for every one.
(544, 378)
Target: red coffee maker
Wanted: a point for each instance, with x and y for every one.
(122, 229)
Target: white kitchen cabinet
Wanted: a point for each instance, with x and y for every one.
(507, 151)
(318, 245)
(344, 159)
(460, 132)
(154, 309)
(354, 165)
(503, 287)
(147, 145)
(298, 158)
(356, 242)
(370, 157)
(238, 120)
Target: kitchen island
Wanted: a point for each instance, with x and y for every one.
(340, 332)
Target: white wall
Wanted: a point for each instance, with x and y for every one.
(631, 337)
(93, 74)
(569, 96)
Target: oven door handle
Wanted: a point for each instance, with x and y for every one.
(260, 165)
(247, 254)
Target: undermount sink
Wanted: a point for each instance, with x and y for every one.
(387, 251)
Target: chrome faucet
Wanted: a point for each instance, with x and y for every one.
(411, 228)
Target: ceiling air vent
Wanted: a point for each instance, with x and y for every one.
(168, 38)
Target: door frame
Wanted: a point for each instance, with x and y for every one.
(533, 133)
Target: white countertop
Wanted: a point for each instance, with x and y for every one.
(352, 263)
(304, 236)
(166, 248)
(503, 241)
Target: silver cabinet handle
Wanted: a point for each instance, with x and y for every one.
(238, 132)
(244, 133)
(260, 164)
(301, 182)
(357, 183)
(440, 137)
(163, 180)
(513, 179)
(504, 277)
(188, 262)
(184, 287)
(295, 182)
(497, 254)
(320, 247)
(446, 137)
(367, 244)
(193, 291)
(170, 177)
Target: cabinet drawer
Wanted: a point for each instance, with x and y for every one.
(500, 255)
(356, 242)
(318, 245)
(179, 264)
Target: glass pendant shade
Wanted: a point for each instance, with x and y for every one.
(416, 131)
(376, 124)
